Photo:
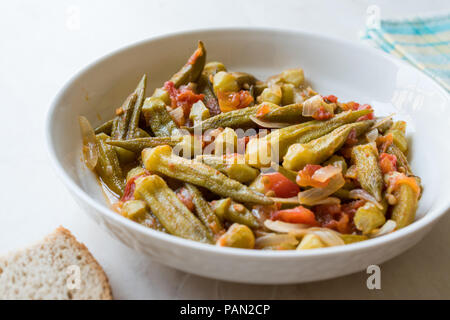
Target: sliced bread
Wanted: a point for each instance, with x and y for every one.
(58, 267)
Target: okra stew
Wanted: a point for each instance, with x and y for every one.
(221, 157)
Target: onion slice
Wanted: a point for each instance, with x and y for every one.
(284, 227)
(364, 195)
(388, 227)
(325, 173)
(90, 151)
(330, 237)
(380, 122)
(269, 125)
(275, 239)
(372, 135)
(314, 195)
(329, 200)
(311, 105)
(292, 200)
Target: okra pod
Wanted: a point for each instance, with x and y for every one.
(105, 127)
(160, 159)
(139, 144)
(141, 133)
(210, 99)
(311, 241)
(133, 126)
(229, 210)
(369, 174)
(404, 211)
(234, 167)
(274, 146)
(337, 161)
(402, 161)
(192, 69)
(369, 217)
(169, 210)
(244, 80)
(158, 118)
(398, 131)
(108, 166)
(120, 126)
(204, 211)
(291, 113)
(125, 156)
(211, 68)
(237, 236)
(239, 118)
(320, 149)
(352, 238)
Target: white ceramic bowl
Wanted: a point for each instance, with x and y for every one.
(347, 70)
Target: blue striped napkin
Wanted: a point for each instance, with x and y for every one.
(423, 42)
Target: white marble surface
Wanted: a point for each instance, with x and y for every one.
(42, 45)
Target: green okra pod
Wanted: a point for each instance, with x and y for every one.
(204, 211)
(243, 79)
(239, 118)
(169, 210)
(232, 166)
(352, 238)
(108, 166)
(133, 125)
(210, 99)
(125, 156)
(369, 174)
(274, 146)
(398, 131)
(229, 210)
(139, 144)
(291, 113)
(141, 133)
(402, 161)
(158, 118)
(105, 127)
(370, 216)
(237, 236)
(120, 125)
(404, 211)
(320, 149)
(193, 68)
(160, 159)
(337, 161)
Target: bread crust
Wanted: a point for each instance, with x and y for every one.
(45, 263)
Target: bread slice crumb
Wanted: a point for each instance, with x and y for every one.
(57, 267)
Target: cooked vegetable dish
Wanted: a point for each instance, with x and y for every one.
(221, 157)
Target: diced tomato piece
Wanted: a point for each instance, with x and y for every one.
(400, 178)
(331, 98)
(128, 193)
(296, 215)
(229, 101)
(263, 110)
(322, 114)
(186, 197)
(369, 116)
(352, 138)
(338, 217)
(182, 97)
(383, 142)
(304, 177)
(388, 163)
(197, 53)
(280, 185)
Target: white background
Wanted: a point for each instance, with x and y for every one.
(42, 45)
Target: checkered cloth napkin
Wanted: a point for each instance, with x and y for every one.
(422, 41)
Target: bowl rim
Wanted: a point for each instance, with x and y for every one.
(432, 216)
